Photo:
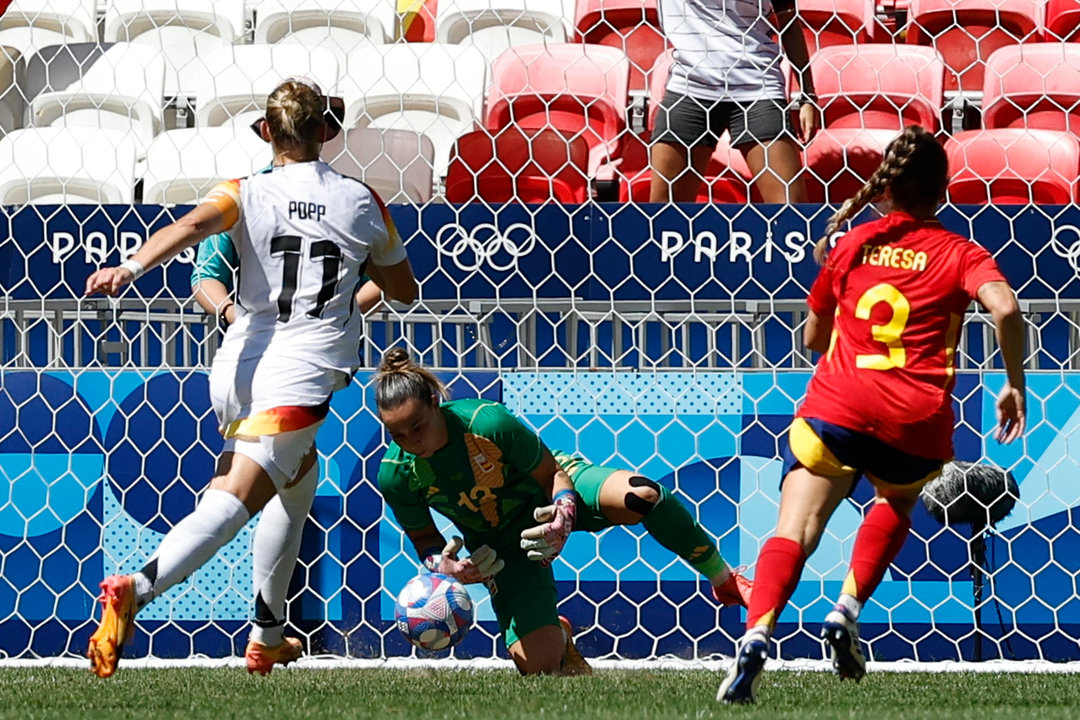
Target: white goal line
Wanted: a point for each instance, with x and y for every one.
(714, 664)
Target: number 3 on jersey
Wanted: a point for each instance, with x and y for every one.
(890, 332)
(291, 247)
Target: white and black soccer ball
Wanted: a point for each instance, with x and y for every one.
(433, 611)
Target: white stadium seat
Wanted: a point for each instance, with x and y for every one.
(185, 30)
(237, 80)
(30, 24)
(11, 99)
(123, 89)
(339, 26)
(183, 165)
(67, 166)
(433, 88)
(494, 25)
(394, 163)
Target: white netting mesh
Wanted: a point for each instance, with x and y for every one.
(663, 339)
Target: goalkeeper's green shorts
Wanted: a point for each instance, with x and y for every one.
(523, 594)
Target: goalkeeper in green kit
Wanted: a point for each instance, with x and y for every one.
(516, 503)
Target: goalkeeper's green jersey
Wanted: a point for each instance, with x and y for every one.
(481, 479)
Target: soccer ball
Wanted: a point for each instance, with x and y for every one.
(433, 611)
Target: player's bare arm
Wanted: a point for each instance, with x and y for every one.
(1000, 301)
(397, 280)
(794, 43)
(165, 244)
(818, 332)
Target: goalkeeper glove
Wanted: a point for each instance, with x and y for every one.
(545, 542)
(479, 566)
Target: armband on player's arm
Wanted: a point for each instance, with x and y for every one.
(226, 198)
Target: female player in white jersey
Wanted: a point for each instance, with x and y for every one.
(304, 235)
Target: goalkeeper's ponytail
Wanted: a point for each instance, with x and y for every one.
(400, 378)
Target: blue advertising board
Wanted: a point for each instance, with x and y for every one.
(100, 464)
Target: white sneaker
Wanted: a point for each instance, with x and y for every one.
(842, 633)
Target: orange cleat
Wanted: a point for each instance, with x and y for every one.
(117, 624)
(262, 658)
(574, 662)
(735, 590)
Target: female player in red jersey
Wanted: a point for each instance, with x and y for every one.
(885, 311)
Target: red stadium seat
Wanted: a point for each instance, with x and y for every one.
(836, 22)
(633, 26)
(1013, 166)
(966, 32)
(518, 165)
(879, 86)
(1033, 86)
(578, 89)
(1062, 20)
(839, 162)
(868, 94)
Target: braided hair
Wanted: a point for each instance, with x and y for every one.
(400, 378)
(915, 170)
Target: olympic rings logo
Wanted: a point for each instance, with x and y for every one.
(1070, 252)
(484, 244)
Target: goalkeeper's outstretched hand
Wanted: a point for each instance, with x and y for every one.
(479, 566)
(544, 542)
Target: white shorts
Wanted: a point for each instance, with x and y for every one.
(270, 409)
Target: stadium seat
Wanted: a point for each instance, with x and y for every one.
(514, 164)
(237, 80)
(492, 26)
(1014, 166)
(31, 24)
(836, 22)
(121, 88)
(1062, 20)
(577, 89)
(868, 93)
(184, 30)
(839, 162)
(633, 26)
(12, 106)
(397, 164)
(340, 26)
(183, 165)
(416, 20)
(433, 88)
(67, 166)
(879, 86)
(1033, 86)
(966, 32)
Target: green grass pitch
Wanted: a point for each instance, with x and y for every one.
(221, 693)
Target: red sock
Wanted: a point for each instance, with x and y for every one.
(779, 566)
(880, 538)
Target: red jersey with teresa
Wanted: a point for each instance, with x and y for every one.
(899, 287)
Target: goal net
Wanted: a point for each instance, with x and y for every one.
(665, 339)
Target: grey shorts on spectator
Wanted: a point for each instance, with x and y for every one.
(684, 120)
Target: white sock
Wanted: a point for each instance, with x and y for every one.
(274, 551)
(853, 606)
(192, 541)
(758, 631)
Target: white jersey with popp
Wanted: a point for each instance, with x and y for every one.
(304, 234)
(724, 49)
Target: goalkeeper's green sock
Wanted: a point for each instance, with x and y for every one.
(671, 525)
